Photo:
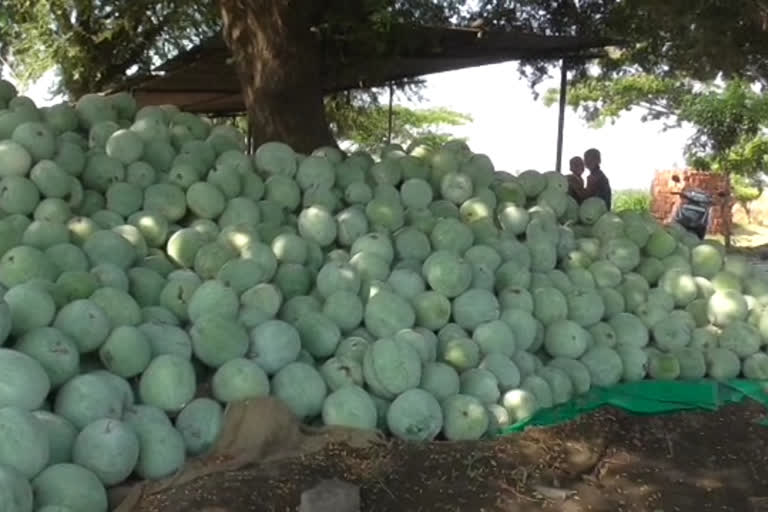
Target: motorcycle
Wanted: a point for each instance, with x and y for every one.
(694, 212)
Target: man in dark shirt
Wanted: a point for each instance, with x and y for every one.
(576, 179)
(597, 182)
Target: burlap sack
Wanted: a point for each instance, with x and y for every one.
(258, 431)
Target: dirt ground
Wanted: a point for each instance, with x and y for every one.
(606, 461)
(749, 239)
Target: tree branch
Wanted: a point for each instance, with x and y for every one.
(147, 38)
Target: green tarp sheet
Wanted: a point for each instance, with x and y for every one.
(651, 397)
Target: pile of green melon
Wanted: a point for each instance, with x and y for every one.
(145, 256)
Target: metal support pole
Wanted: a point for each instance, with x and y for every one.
(249, 135)
(390, 121)
(561, 116)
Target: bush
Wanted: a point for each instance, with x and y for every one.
(632, 200)
(744, 189)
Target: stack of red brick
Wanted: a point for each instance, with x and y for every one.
(666, 183)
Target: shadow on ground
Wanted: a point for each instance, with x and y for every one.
(606, 461)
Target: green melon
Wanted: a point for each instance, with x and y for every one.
(18, 195)
(30, 307)
(24, 447)
(87, 398)
(162, 451)
(661, 244)
(37, 138)
(726, 307)
(524, 326)
(460, 352)
(742, 338)
(15, 160)
(604, 365)
(550, 305)
(495, 337)
(239, 379)
(415, 415)
(71, 486)
(217, 339)
(447, 273)
(350, 406)
(391, 366)
(663, 366)
(168, 383)
(521, 404)
(387, 313)
(120, 308)
(591, 210)
(85, 322)
(199, 424)
(585, 307)
(480, 383)
(301, 388)
(465, 418)
(109, 448)
(213, 297)
(672, 334)
(126, 352)
(61, 436)
(565, 338)
(54, 350)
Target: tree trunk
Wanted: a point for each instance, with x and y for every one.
(278, 61)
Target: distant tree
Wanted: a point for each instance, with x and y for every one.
(366, 125)
(746, 190)
(632, 200)
(729, 119)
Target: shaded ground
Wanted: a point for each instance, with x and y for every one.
(750, 239)
(606, 461)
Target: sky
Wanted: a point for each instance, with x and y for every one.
(518, 132)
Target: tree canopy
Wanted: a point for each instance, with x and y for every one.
(729, 118)
(96, 42)
(93, 43)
